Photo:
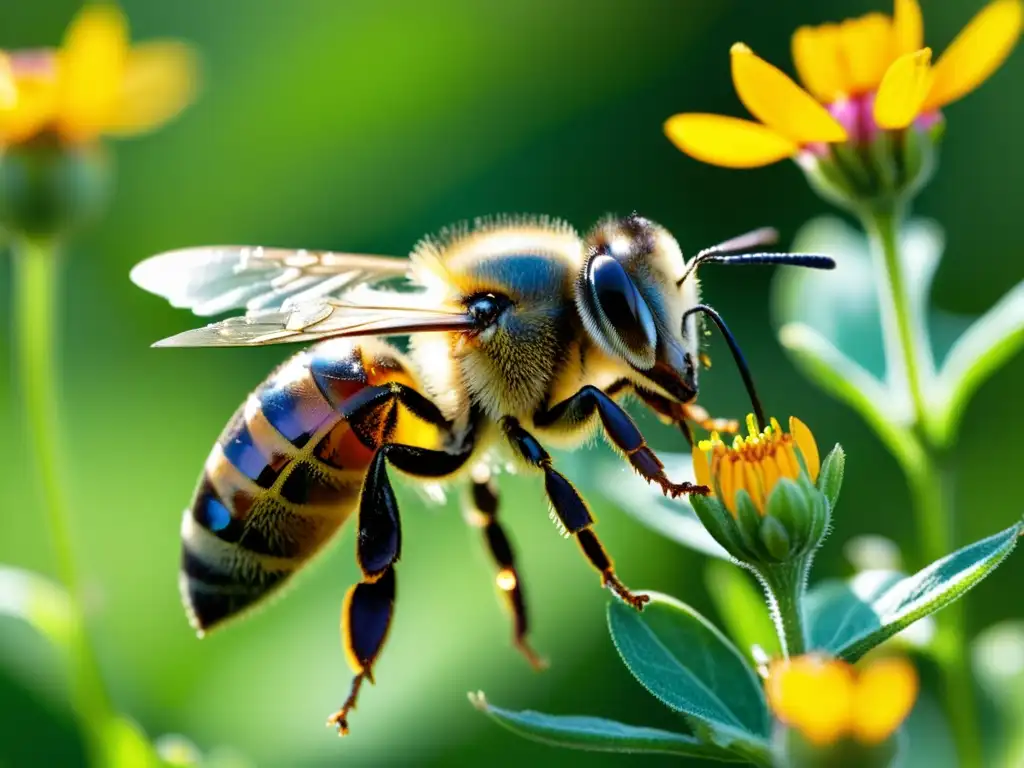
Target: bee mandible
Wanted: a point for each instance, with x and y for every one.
(521, 332)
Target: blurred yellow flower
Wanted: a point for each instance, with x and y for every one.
(827, 699)
(95, 84)
(757, 462)
(860, 76)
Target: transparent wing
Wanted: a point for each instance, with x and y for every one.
(215, 279)
(321, 319)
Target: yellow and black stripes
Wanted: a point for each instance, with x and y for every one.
(283, 477)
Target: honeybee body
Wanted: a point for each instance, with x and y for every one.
(286, 473)
(521, 333)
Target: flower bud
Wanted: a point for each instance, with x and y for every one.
(765, 507)
(48, 188)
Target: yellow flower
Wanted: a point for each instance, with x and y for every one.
(95, 84)
(861, 76)
(757, 462)
(827, 699)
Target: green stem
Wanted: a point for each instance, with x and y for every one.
(785, 585)
(907, 345)
(37, 270)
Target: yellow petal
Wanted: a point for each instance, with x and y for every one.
(727, 483)
(92, 64)
(884, 696)
(818, 62)
(808, 447)
(907, 27)
(903, 90)
(867, 48)
(701, 468)
(770, 473)
(728, 141)
(752, 482)
(159, 81)
(36, 86)
(978, 51)
(813, 695)
(8, 91)
(774, 99)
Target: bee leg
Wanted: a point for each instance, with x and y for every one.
(703, 419)
(572, 511)
(482, 512)
(369, 605)
(365, 618)
(622, 431)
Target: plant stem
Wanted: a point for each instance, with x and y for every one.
(785, 585)
(37, 270)
(930, 484)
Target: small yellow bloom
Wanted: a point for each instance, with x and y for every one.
(861, 76)
(827, 699)
(757, 462)
(95, 84)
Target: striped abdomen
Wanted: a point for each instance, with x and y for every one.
(285, 474)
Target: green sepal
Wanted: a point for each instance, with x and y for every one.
(775, 538)
(788, 504)
(748, 522)
(720, 523)
(48, 189)
(883, 162)
(830, 478)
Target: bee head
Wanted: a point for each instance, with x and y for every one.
(631, 306)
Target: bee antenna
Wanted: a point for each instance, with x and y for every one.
(737, 355)
(731, 252)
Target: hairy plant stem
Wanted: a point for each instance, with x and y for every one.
(785, 584)
(37, 269)
(930, 482)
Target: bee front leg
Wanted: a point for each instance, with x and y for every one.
(481, 511)
(622, 431)
(570, 507)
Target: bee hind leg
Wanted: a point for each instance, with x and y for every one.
(369, 606)
(481, 511)
(622, 431)
(572, 511)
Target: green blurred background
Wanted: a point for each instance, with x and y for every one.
(361, 126)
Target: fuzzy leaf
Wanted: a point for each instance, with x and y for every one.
(598, 734)
(985, 346)
(838, 611)
(741, 605)
(925, 592)
(691, 667)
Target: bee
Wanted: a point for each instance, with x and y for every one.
(521, 332)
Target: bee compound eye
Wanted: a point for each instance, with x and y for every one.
(620, 307)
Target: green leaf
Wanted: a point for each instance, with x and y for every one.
(925, 592)
(39, 602)
(672, 518)
(597, 734)
(740, 603)
(681, 658)
(838, 611)
(982, 349)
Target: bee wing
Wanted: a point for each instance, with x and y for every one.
(215, 279)
(321, 319)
